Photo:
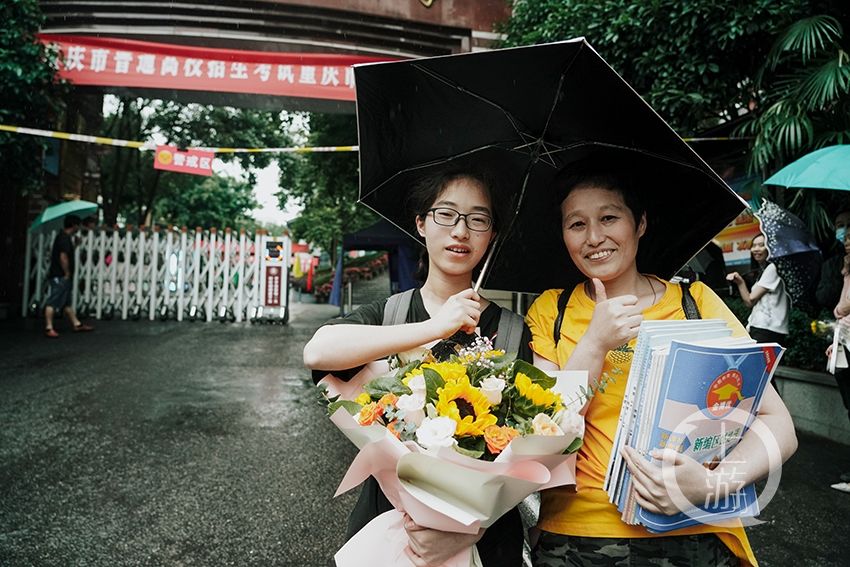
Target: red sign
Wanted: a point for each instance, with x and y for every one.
(122, 62)
(274, 277)
(724, 393)
(170, 158)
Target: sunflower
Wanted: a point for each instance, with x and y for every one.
(449, 371)
(465, 405)
(536, 394)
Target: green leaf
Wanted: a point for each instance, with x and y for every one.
(537, 376)
(574, 446)
(433, 382)
(351, 407)
(471, 446)
(386, 385)
(469, 452)
(808, 37)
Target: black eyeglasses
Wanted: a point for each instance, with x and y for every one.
(478, 222)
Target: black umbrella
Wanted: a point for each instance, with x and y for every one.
(791, 248)
(526, 113)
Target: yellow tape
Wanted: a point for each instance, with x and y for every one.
(152, 146)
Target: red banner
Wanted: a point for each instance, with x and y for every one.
(169, 158)
(107, 61)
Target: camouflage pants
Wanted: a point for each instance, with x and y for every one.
(704, 550)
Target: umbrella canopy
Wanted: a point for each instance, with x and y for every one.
(53, 217)
(525, 114)
(827, 168)
(792, 249)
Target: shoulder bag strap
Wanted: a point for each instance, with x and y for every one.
(689, 304)
(563, 298)
(509, 331)
(397, 307)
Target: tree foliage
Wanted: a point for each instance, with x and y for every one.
(326, 184)
(214, 202)
(133, 189)
(802, 103)
(31, 97)
(693, 62)
(802, 93)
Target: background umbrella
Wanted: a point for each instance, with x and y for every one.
(53, 217)
(525, 113)
(792, 249)
(827, 168)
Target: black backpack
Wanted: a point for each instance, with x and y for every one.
(508, 333)
(689, 306)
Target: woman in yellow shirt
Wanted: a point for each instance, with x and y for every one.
(602, 223)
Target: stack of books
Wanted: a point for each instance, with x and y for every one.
(695, 389)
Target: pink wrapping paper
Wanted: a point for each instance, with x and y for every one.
(442, 490)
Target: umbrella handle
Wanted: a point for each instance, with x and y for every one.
(486, 265)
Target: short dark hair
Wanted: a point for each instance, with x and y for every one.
(843, 209)
(71, 220)
(593, 173)
(428, 188)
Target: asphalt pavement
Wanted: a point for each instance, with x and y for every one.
(195, 444)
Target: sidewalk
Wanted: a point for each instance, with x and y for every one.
(151, 443)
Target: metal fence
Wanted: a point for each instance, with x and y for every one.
(168, 274)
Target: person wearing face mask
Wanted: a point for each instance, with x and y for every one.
(766, 296)
(829, 286)
(842, 314)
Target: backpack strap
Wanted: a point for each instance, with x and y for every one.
(509, 331)
(397, 307)
(563, 298)
(689, 304)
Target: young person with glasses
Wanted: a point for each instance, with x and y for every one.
(454, 213)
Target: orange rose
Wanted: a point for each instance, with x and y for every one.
(497, 438)
(388, 399)
(370, 413)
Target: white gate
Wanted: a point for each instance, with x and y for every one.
(164, 274)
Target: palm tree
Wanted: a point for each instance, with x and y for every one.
(802, 100)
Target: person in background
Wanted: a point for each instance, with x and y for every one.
(767, 297)
(60, 277)
(842, 314)
(829, 286)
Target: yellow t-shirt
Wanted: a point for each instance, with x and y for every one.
(585, 509)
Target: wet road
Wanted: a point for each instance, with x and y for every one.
(202, 444)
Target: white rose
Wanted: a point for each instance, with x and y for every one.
(542, 424)
(408, 356)
(417, 385)
(492, 388)
(413, 408)
(571, 422)
(436, 432)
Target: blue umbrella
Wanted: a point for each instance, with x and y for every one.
(827, 168)
(53, 217)
(792, 248)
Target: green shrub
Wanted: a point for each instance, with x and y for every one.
(804, 349)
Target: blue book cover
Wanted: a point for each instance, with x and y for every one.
(708, 397)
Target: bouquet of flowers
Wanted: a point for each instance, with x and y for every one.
(453, 443)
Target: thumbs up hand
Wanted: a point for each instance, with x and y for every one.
(615, 321)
